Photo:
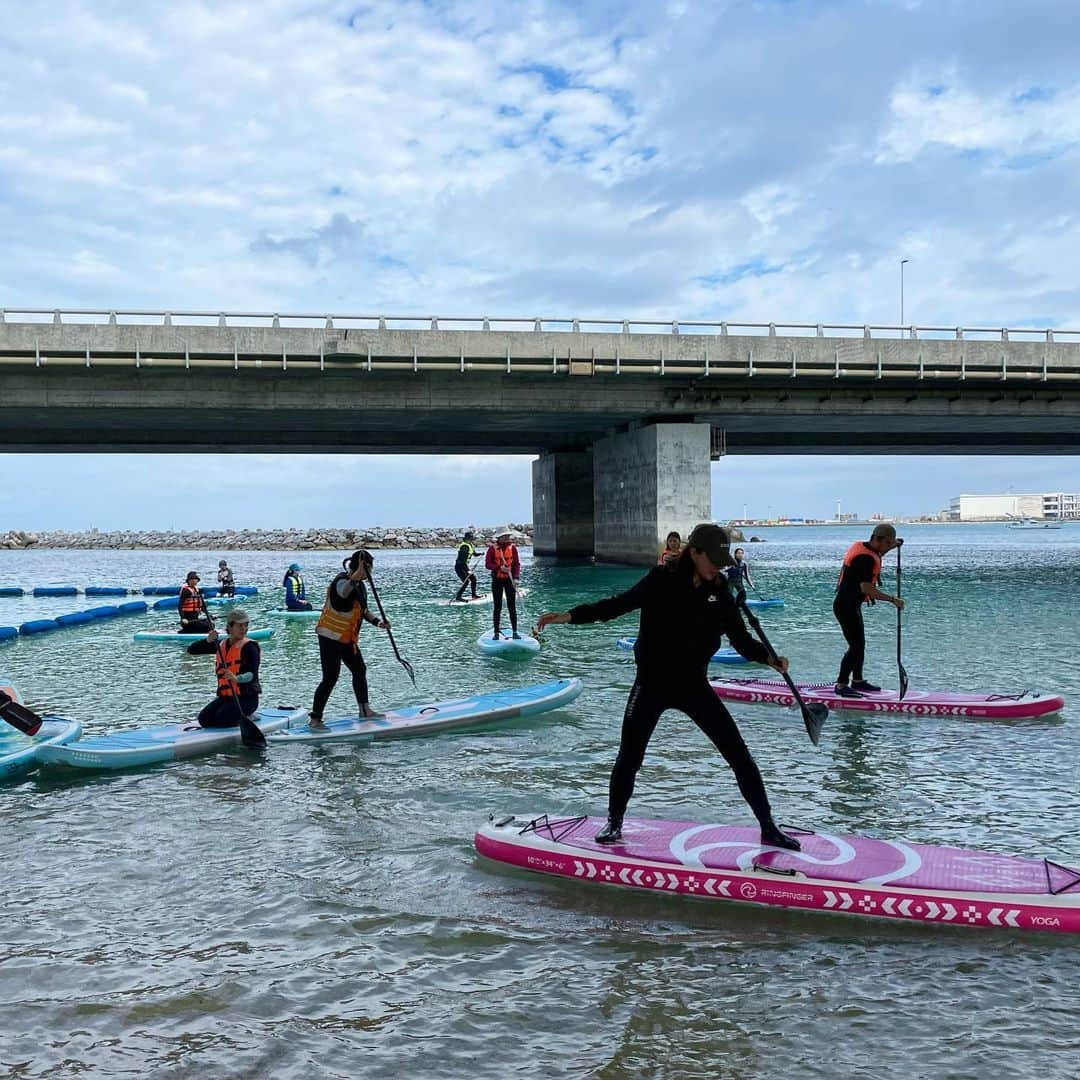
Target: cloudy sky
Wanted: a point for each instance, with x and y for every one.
(759, 160)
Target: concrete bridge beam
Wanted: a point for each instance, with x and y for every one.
(646, 482)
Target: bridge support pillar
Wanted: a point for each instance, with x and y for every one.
(647, 482)
(563, 504)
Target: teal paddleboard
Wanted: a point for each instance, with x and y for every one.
(721, 656)
(520, 648)
(457, 714)
(174, 638)
(150, 746)
(20, 753)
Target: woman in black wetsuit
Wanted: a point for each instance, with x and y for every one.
(686, 609)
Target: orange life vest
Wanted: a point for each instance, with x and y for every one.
(853, 552)
(191, 601)
(227, 659)
(504, 561)
(343, 626)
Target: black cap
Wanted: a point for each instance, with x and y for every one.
(192, 574)
(714, 541)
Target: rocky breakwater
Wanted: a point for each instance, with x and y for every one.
(266, 539)
(16, 538)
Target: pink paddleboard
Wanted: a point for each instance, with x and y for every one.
(850, 875)
(916, 702)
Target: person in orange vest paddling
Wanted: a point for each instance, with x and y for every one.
(505, 565)
(338, 631)
(192, 606)
(236, 660)
(858, 585)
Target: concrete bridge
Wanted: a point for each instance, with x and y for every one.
(625, 415)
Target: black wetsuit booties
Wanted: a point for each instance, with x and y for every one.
(681, 627)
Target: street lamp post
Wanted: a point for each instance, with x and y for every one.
(902, 262)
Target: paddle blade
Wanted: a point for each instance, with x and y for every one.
(814, 716)
(903, 682)
(250, 735)
(19, 716)
(408, 669)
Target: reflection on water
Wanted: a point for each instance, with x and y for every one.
(319, 910)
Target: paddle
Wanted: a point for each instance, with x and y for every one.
(19, 716)
(389, 633)
(815, 714)
(250, 735)
(899, 663)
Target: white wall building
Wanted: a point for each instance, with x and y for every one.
(1055, 506)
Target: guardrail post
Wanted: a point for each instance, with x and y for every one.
(487, 324)
(112, 318)
(626, 326)
(1004, 333)
(866, 331)
(963, 367)
(772, 329)
(921, 372)
(167, 321)
(434, 323)
(221, 319)
(674, 327)
(554, 362)
(618, 360)
(235, 358)
(1044, 367)
(415, 360)
(322, 355)
(462, 359)
(2, 318)
(706, 361)
(959, 333)
(575, 327)
(284, 359)
(723, 329)
(57, 321)
(87, 355)
(275, 323)
(836, 362)
(369, 357)
(382, 323)
(507, 358)
(138, 355)
(794, 365)
(914, 333)
(37, 354)
(537, 327)
(1050, 337)
(820, 330)
(661, 359)
(187, 357)
(329, 323)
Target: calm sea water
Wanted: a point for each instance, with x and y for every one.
(320, 911)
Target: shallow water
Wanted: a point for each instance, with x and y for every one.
(319, 911)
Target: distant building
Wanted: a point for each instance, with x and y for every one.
(1055, 506)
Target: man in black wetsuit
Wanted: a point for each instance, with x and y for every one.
(858, 585)
(465, 553)
(686, 609)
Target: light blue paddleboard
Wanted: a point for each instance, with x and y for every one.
(721, 656)
(764, 603)
(454, 715)
(149, 746)
(506, 647)
(467, 602)
(19, 753)
(284, 613)
(186, 639)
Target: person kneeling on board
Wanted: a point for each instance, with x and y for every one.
(295, 592)
(505, 566)
(338, 630)
(192, 606)
(858, 585)
(686, 609)
(236, 659)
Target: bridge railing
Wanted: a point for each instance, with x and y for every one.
(522, 324)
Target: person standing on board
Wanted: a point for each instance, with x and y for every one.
(226, 582)
(236, 660)
(858, 585)
(505, 566)
(295, 592)
(465, 554)
(192, 606)
(338, 631)
(686, 609)
(738, 575)
(672, 549)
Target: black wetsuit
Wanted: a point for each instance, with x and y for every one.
(332, 653)
(222, 711)
(464, 553)
(847, 607)
(681, 627)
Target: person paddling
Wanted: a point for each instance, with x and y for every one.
(236, 659)
(686, 609)
(226, 581)
(672, 549)
(338, 631)
(505, 566)
(463, 568)
(192, 607)
(738, 575)
(858, 585)
(295, 592)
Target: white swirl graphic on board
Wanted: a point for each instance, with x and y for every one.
(691, 856)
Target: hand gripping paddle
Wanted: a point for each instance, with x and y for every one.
(250, 735)
(815, 714)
